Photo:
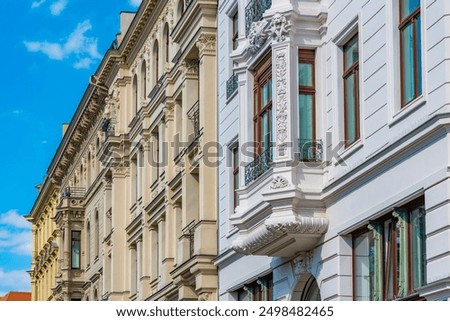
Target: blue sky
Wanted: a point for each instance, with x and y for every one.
(49, 50)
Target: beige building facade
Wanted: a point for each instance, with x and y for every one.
(136, 211)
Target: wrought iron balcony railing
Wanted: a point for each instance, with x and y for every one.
(72, 192)
(310, 150)
(254, 12)
(258, 166)
(232, 85)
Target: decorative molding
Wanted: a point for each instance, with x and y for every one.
(275, 227)
(279, 27)
(282, 106)
(190, 67)
(279, 182)
(206, 44)
(257, 35)
(302, 263)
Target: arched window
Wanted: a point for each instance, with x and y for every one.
(88, 243)
(88, 170)
(155, 63)
(135, 95)
(166, 43)
(180, 9)
(144, 79)
(97, 235)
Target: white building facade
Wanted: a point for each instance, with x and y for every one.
(334, 125)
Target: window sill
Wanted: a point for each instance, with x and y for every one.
(407, 110)
(349, 151)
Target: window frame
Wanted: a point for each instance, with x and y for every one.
(72, 240)
(234, 30)
(308, 56)
(410, 19)
(262, 75)
(347, 72)
(416, 204)
(235, 167)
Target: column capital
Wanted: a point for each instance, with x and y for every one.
(206, 44)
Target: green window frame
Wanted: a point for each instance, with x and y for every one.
(389, 255)
(259, 290)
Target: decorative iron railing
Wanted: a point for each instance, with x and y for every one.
(232, 85)
(258, 166)
(72, 192)
(310, 150)
(254, 12)
(194, 116)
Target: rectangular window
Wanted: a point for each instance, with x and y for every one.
(307, 104)
(410, 50)
(389, 260)
(259, 290)
(263, 105)
(235, 30)
(351, 91)
(75, 246)
(235, 152)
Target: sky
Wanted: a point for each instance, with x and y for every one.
(49, 50)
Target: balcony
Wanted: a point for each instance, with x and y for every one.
(254, 12)
(232, 85)
(72, 192)
(310, 150)
(258, 166)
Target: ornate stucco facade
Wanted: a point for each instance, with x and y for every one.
(136, 214)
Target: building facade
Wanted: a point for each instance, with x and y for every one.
(136, 214)
(334, 121)
(45, 249)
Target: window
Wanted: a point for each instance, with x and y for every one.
(307, 104)
(135, 95)
(97, 235)
(235, 153)
(144, 79)
(88, 243)
(410, 50)
(75, 246)
(155, 63)
(235, 30)
(351, 91)
(389, 260)
(166, 43)
(263, 105)
(260, 290)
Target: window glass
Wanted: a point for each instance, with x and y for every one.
(408, 7)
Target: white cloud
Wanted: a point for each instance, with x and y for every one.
(15, 234)
(57, 7)
(15, 280)
(37, 4)
(135, 3)
(14, 219)
(77, 44)
(84, 63)
(52, 50)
